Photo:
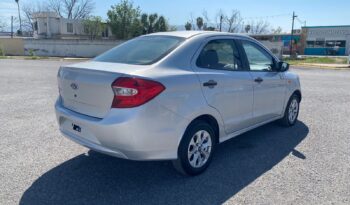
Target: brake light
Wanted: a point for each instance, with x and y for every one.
(133, 92)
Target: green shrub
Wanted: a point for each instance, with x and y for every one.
(31, 52)
(2, 52)
(32, 55)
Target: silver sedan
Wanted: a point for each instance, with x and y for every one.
(175, 96)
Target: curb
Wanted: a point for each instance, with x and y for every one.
(323, 66)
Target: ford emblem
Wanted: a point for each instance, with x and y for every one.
(74, 86)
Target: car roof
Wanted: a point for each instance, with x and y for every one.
(190, 34)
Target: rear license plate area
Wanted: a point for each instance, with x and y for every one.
(76, 128)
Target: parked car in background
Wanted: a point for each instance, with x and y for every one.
(175, 96)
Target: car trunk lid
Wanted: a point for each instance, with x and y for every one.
(86, 87)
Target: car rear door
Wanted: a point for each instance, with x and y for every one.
(269, 84)
(225, 84)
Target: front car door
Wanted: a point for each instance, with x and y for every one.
(269, 84)
(226, 85)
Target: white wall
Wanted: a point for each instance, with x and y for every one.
(327, 33)
(41, 26)
(54, 26)
(68, 47)
(78, 27)
(46, 25)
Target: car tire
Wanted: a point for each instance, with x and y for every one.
(196, 149)
(291, 112)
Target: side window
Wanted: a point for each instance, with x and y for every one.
(259, 59)
(220, 54)
(69, 27)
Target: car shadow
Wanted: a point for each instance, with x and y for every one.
(94, 178)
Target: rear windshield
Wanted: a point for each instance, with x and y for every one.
(141, 51)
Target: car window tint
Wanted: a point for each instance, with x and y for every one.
(220, 54)
(141, 51)
(259, 60)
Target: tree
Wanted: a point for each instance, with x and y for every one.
(206, 17)
(144, 23)
(19, 17)
(259, 27)
(278, 30)
(93, 26)
(233, 21)
(124, 20)
(193, 25)
(161, 25)
(207, 26)
(188, 26)
(210, 28)
(247, 28)
(220, 16)
(152, 18)
(2, 25)
(28, 9)
(200, 23)
(152, 23)
(72, 9)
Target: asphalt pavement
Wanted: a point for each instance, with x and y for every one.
(306, 164)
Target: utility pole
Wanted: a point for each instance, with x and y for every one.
(11, 26)
(291, 35)
(221, 17)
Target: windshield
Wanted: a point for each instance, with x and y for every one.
(141, 51)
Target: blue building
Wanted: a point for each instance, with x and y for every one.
(285, 40)
(326, 40)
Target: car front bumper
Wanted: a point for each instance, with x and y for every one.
(149, 132)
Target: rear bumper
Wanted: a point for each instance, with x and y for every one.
(149, 132)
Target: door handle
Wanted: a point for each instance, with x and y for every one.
(258, 80)
(210, 84)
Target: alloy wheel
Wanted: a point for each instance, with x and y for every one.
(293, 110)
(199, 149)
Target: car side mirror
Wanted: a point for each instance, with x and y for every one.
(282, 66)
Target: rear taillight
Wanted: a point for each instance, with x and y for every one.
(133, 92)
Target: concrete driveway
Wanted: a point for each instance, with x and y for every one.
(306, 164)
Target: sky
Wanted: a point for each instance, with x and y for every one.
(276, 12)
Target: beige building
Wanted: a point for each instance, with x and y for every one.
(50, 25)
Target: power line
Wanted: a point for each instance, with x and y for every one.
(301, 21)
(266, 17)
